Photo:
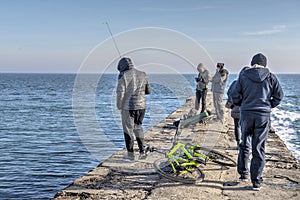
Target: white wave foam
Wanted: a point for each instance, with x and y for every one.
(282, 121)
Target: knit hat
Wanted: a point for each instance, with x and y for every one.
(125, 64)
(259, 59)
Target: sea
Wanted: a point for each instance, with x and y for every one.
(43, 137)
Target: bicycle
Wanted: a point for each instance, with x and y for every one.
(182, 161)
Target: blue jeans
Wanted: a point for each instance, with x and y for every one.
(255, 129)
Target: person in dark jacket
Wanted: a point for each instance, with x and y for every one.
(202, 85)
(235, 114)
(218, 87)
(257, 91)
(131, 100)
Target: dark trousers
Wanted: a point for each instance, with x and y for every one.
(201, 95)
(255, 130)
(237, 129)
(132, 121)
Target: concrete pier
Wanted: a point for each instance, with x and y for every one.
(118, 179)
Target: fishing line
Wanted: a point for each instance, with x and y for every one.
(115, 43)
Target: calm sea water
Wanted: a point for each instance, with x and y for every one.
(41, 150)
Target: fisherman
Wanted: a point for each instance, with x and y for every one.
(218, 87)
(202, 85)
(131, 101)
(256, 92)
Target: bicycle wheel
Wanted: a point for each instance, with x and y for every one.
(216, 157)
(191, 175)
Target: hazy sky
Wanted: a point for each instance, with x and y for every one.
(56, 35)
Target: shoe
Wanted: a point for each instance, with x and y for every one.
(243, 178)
(129, 157)
(142, 156)
(256, 186)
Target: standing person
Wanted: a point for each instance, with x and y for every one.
(202, 85)
(256, 92)
(218, 87)
(131, 101)
(235, 114)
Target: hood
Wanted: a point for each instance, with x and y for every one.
(199, 66)
(125, 64)
(256, 74)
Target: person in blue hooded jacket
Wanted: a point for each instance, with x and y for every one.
(257, 91)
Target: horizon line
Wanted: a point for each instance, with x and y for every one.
(115, 73)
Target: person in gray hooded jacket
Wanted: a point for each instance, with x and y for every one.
(256, 92)
(202, 85)
(131, 100)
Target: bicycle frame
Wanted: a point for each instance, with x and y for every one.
(176, 159)
(189, 161)
(199, 155)
(181, 162)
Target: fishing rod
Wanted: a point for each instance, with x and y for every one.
(113, 38)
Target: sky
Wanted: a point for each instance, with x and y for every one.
(56, 36)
